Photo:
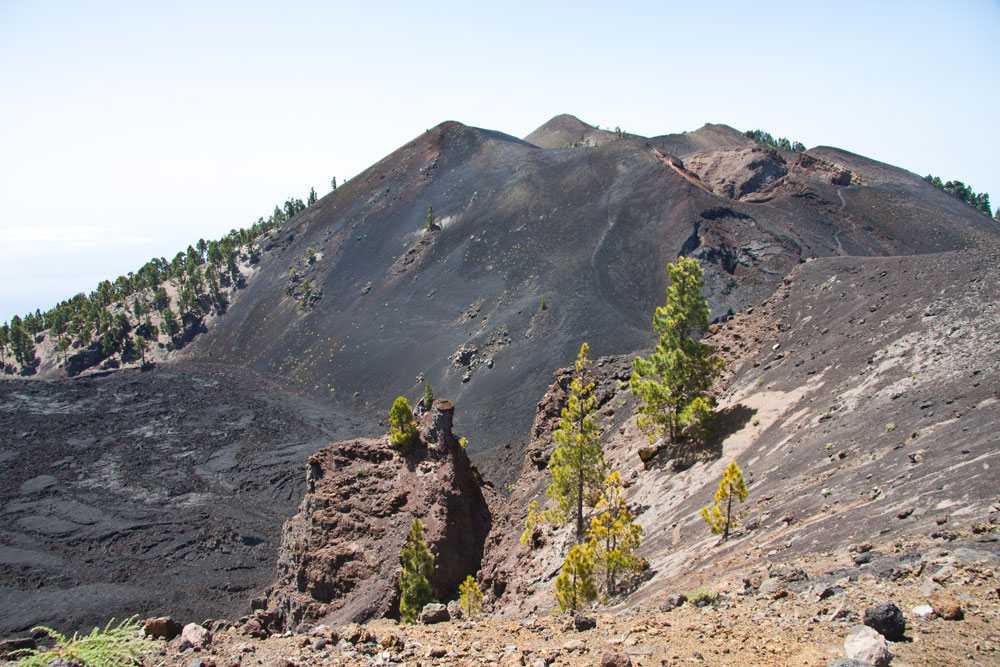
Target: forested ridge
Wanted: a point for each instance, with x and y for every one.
(161, 304)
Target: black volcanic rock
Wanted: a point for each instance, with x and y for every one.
(887, 620)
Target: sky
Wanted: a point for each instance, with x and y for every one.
(130, 130)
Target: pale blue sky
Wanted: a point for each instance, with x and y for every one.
(129, 130)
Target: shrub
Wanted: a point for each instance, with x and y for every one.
(702, 596)
(118, 646)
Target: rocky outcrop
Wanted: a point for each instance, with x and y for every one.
(339, 557)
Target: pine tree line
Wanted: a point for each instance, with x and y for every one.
(117, 314)
(979, 201)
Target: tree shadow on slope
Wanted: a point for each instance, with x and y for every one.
(685, 453)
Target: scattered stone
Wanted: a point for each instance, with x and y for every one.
(848, 662)
(253, 628)
(868, 646)
(922, 610)
(392, 642)
(947, 607)
(615, 658)
(581, 622)
(63, 662)
(862, 558)
(434, 612)
(326, 632)
(318, 644)
(196, 635)
(673, 601)
(437, 652)
(574, 645)
(771, 585)
(647, 455)
(353, 633)
(162, 628)
(245, 647)
(887, 620)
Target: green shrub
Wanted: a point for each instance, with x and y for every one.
(118, 646)
(702, 596)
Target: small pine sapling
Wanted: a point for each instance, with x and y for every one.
(615, 535)
(470, 598)
(731, 486)
(415, 588)
(402, 426)
(428, 397)
(577, 464)
(575, 586)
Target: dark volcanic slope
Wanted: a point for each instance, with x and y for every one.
(710, 136)
(148, 492)
(565, 130)
(588, 231)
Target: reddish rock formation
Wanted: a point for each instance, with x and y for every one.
(339, 557)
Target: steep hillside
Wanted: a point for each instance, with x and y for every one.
(534, 245)
(860, 404)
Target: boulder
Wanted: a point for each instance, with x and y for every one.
(434, 612)
(163, 627)
(673, 601)
(353, 633)
(253, 628)
(868, 646)
(581, 622)
(947, 607)
(455, 610)
(887, 620)
(196, 635)
(615, 658)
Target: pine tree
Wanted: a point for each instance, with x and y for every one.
(731, 486)
(428, 397)
(312, 197)
(470, 597)
(577, 464)
(402, 426)
(430, 222)
(575, 586)
(142, 345)
(673, 383)
(4, 341)
(415, 589)
(615, 534)
(333, 183)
